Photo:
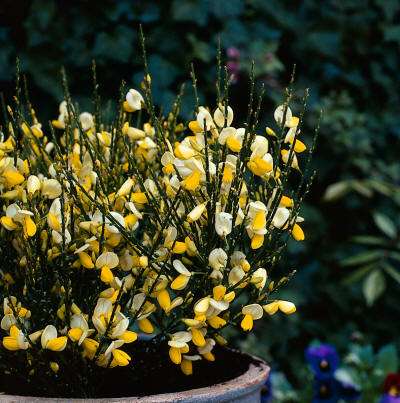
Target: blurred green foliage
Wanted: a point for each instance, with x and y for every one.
(346, 52)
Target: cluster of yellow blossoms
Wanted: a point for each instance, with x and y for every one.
(159, 229)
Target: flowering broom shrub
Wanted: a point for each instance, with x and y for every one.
(140, 224)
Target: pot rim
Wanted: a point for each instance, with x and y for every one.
(247, 383)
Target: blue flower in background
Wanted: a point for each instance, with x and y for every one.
(332, 390)
(323, 359)
(386, 398)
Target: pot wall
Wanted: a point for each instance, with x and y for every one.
(243, 389)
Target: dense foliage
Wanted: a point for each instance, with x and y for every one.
(347, 53)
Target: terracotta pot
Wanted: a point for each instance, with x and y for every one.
(246, 388)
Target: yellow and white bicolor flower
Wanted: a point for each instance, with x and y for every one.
(261, 161)
(50, 341)
(16, 218)
(259, 278)
(223, 224)
(286, 307)
(33, 185)
(79, 329)
(223, 115)
(293, 132)
(142, 309)
(102, 314)
(119, 329)
(16, 340)
(51, 188)
(206, 350)
(187, 363)
(134, 101)
(256, 227)
(63, 115)
(179, 345)
(286, 154)
(106, 262)
(192, 172)
(297, 231)
(283, 112)
(240, 266)
(181, 281)
(232, 138)
(86, 120)
(204, 119)
(251, 313)
(125, 188)
(113, 356)
(217, 260)
(11, 305)
(228, 173)
(85, 259)
(167, 161)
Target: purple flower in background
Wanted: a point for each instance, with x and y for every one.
(323, 359)
(233, 53)
(233, 64)
(391, 389)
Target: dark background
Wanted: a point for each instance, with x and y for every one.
(345, 52)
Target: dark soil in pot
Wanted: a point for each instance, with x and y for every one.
(151, 372)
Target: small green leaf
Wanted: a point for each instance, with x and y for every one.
(336, 191)
(385, 224)
(361, 258)
(369, 240)
(373, 287)
(362, 189)
(358, 274)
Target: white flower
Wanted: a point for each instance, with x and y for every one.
(223, 224)
(259, 278)
(180, 339)
(218, 259)
(134, 99)
(280, 112)
(51, 188)
(86, 120)
(196, 213)
(219, 115)
(33, 184)
(204, 119)
(281, 217)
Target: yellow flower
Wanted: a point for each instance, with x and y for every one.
(284, 306)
